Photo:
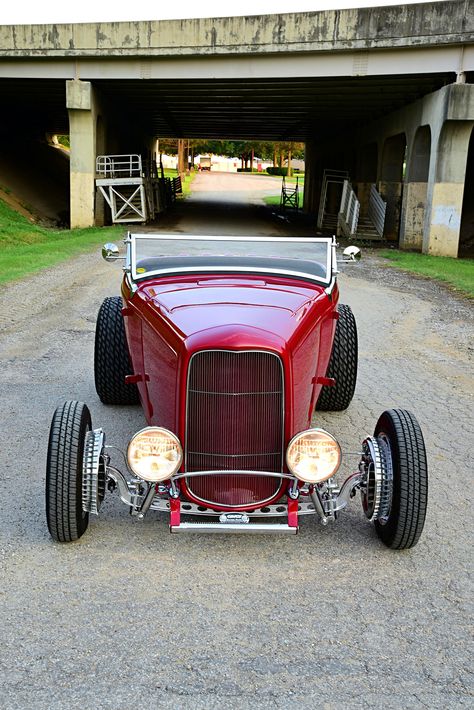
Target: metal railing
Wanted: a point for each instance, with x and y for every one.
(377, 210)
(119, 166)
(348, 216)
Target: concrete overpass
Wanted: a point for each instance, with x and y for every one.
(385, 93)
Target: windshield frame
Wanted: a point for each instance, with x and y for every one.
(131, 257)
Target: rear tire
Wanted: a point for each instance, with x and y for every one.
(64, 514)
(403, 526)
(111, 359)
(342, 365)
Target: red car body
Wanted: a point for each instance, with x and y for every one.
(230, 344)
(168, 320)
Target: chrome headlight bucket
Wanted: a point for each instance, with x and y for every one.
(313, 456)
(154, 454)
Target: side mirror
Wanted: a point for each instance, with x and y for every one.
(352, 253)
(110, 252)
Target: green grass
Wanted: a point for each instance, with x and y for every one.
(458, 273)
(275, 199)
(26, 248)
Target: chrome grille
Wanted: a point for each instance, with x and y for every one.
(234, 422)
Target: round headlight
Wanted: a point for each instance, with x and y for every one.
(154, 454)
(313, 456)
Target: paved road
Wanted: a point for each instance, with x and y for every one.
(132, 617)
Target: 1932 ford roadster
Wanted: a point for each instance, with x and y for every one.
(230, 344)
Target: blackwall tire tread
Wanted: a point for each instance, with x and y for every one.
(342, 365)
(65, 518)
(111, 359)
(410, 484)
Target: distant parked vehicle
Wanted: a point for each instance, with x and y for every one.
(205, 162)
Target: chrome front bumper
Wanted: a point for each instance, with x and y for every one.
(235, 528)
(142, 497)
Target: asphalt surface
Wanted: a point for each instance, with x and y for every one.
(130, 616)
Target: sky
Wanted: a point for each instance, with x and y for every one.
(18, 12)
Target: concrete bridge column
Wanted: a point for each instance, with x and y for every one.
(391, 183)
(82, 108)
(415, 191)
(446, 189)
(311, 179)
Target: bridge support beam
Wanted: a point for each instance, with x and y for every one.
(446, 190)
(416, 190)
(83, 111)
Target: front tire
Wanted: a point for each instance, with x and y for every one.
(402, 528)
(342, 365)
(111, 359)
(64, 514)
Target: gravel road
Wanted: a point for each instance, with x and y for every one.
(130, 616)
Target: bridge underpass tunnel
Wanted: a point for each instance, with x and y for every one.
(397, 79)
(400, 158)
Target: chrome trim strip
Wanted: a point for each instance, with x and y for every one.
(249, 528)
(197, 473)
(232, 472)
(228, 238)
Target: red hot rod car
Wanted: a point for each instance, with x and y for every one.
(231, 344)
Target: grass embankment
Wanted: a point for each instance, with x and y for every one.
(26, 248)
(458, 273)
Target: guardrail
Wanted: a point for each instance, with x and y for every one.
(377, 210)
(348, 216)
(119, 166)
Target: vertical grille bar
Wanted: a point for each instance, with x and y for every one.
(234, 422)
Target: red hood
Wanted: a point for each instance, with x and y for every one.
(235, 310)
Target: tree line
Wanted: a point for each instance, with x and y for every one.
(280, 153)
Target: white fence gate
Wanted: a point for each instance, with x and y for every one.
(348, 216)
